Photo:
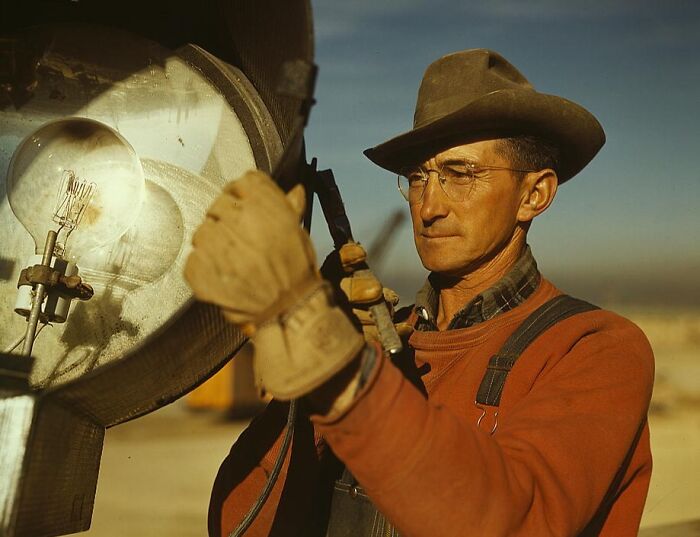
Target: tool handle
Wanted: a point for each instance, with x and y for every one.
(333, 207)
(339, 227)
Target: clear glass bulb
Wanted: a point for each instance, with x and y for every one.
(79, 177)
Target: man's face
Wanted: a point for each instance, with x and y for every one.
(456, 237)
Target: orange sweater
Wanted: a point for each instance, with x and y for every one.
(568, 416)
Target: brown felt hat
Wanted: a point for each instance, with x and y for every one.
(477, 94)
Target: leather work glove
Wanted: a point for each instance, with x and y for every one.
(357, 289)
(252, 258)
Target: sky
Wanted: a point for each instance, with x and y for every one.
(627, 228)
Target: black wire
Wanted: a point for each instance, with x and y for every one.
(279, 169)
(272, 479)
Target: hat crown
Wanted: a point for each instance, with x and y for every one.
(457, 79)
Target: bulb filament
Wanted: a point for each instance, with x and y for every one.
(74, 195)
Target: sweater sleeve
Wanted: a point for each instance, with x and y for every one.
(544, 472)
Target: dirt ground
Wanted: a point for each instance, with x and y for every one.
(674, 418)
(157, 471)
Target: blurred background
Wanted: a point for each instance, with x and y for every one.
(627, 229)
(623, 234)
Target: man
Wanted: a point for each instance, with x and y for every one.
(561, 448)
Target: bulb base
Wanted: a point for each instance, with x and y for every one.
(55, 308)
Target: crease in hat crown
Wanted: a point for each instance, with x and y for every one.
(476, 71)
(478, 92)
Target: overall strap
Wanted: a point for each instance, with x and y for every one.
(544, 317)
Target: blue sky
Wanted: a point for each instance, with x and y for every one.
(628, 222)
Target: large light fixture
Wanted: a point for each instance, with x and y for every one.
(191, 122)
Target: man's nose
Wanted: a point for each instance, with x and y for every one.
(434, 204)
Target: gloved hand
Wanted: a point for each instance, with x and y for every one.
(357, 289)
(252, 258)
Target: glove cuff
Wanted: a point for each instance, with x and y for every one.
(317, 338)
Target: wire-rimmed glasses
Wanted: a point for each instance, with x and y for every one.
(456, 178)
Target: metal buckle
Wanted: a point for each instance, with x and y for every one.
(483, 414)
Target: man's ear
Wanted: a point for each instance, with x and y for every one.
(537, 193)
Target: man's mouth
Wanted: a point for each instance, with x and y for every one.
(436, 235)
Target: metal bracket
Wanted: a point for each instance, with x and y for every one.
(64, 286)
(298, 79)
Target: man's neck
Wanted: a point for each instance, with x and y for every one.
(455, 293)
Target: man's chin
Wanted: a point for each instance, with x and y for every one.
(444, 267)
(438, 255)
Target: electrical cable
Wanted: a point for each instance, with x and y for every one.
(274, 474)
(296, 143)
(19, 341)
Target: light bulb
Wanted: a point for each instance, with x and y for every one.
(79, 177)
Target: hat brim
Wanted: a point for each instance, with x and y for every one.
(501, 114)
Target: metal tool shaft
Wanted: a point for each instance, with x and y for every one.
(38, 298)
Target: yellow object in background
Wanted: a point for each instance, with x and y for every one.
(232, 390)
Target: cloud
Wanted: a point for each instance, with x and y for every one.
(342, 18)
(664, 33)
(335, 19)
(574, 9)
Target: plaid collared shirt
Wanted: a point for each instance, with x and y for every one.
(508, 292)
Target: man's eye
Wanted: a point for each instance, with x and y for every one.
(458, 173)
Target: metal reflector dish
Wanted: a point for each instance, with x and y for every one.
(190, 141)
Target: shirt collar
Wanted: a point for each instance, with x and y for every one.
(507, 293)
